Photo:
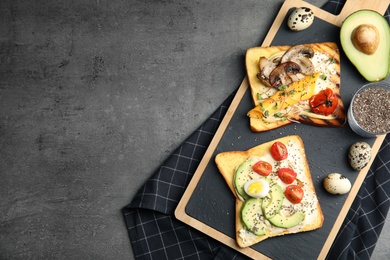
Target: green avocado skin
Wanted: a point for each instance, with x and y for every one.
(374, 67)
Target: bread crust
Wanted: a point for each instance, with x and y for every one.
(256, 86)
(227, 163)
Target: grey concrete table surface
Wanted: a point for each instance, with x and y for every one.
(94, 95)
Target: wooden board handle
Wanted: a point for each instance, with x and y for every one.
(352, 6)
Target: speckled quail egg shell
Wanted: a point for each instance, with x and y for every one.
(300, 19)
(359, 155)
(336, 183)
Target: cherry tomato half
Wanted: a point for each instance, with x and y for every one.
(262, 167)
(294, 193)
(287, 175)
(324, 103)
(279, 151)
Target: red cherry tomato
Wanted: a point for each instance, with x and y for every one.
(294, 193)
(287, 175)
(324, 103)
(263, 168)
(279, 151)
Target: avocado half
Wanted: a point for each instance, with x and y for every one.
(365, 39)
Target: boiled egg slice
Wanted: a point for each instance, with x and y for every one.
(257, 188)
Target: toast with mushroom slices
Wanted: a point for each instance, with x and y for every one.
(271, 214)
(287, 82)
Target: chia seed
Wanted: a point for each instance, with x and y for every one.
(371, 109)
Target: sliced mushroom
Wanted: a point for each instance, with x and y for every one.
(298, 49)
(283, 74)
(301, 55)
(276, 60)
(266, 67)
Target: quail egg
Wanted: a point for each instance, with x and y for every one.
(257, 188)
(359, 155)
(336, 183)
(300, 19)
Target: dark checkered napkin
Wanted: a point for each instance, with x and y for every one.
(156, 234)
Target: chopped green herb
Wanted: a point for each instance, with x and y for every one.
(323, 77)
(261, 106)
(282, 87)
(259, 97)
(281, 116)
(278, 115)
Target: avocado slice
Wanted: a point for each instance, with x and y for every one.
(273, 201)
(365, 39)
(241, 176)
(252, 216)
(287, 221)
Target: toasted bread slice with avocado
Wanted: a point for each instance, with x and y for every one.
(255, 221)
(282, 79)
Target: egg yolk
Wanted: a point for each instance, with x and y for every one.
(255, 187)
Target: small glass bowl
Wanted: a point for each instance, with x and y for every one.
(351, 118)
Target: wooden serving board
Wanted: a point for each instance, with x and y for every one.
(208, 204)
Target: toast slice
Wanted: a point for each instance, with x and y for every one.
(229, 164)
(317, 71)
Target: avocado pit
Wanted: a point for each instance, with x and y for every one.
(365, 38)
